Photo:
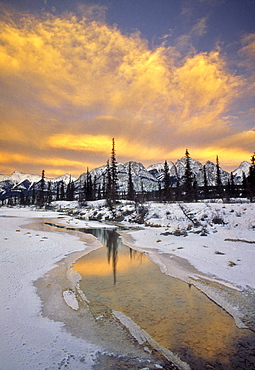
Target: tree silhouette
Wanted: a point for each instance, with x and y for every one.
(188, 179)
(114, 176)
(88, 186)
(166, 181)
(49, 194)
(251, 178)
(218, 178)
(206, 192)
(62, 190)
(108, 183)
(41, 193)
(70, 190)
(131, 190)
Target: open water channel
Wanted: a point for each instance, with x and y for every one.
(176, 315)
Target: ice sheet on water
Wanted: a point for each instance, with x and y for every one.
(70, 299)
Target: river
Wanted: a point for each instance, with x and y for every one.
(175, 314)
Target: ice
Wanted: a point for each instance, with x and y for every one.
(70, 299)
(30, 341)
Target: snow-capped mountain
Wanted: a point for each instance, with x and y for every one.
(66, 178)
(19, 182)
(244, 168)
(178, 170)
(157, 170)
(142, 178)
(18, 177)
(211, 174)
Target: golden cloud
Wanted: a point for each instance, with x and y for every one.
(70, 83)
(55, 166)
(102, 144)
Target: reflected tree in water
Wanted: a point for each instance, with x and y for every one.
(112, 251)
(111, 240)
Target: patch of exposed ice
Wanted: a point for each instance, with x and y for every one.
(144, 338)
(70, 299)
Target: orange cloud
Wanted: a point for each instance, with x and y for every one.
(71, 84)
(54, 166)
(102, 144)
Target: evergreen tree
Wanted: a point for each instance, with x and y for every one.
(57, 195)
(159, 191)
(88, 186)
(206, 191)
(33, 194)
(244, 186)
(22, 198)
(188, 179)
(166, 181)
(177, 191)
(104, 191)
(218, 177)
(41, 193)
(195, 190)
(10, 201)
(114, 176)
(251, 178)
(62, 190)
(108, 183)
(142, 192)
(99, 194)
(131, 190)
(70, 190)
(49, 194)
(232, 185)
(81, 195)
(228, 190)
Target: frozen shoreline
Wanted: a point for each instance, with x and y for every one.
(113, 337)
(29, 339)
(41, 329)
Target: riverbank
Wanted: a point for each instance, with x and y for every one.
(28, 340)
(42, 327)
(208, 244)
(37, 335)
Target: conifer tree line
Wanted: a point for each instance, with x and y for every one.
(42, 194)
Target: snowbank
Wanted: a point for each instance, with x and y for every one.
(214, 239)
(217, 239)
(28, 340)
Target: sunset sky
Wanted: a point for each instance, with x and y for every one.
(159, 76)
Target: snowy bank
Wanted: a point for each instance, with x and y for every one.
(46, 322)
(216, 238)
(28, 340)
(209, 244)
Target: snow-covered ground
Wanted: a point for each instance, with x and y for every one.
(216, 239)
(28, 340)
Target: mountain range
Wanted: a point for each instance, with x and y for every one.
(147, 179)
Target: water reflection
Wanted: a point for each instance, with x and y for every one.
(176, 316)
(111, 240)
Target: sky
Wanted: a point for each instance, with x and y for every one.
(158, 76)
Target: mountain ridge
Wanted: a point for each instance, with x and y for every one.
(147, 179)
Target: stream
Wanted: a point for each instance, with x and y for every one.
(175, 314)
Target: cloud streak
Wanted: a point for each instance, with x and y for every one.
(70, 84)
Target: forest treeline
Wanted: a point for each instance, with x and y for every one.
(42, 193)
